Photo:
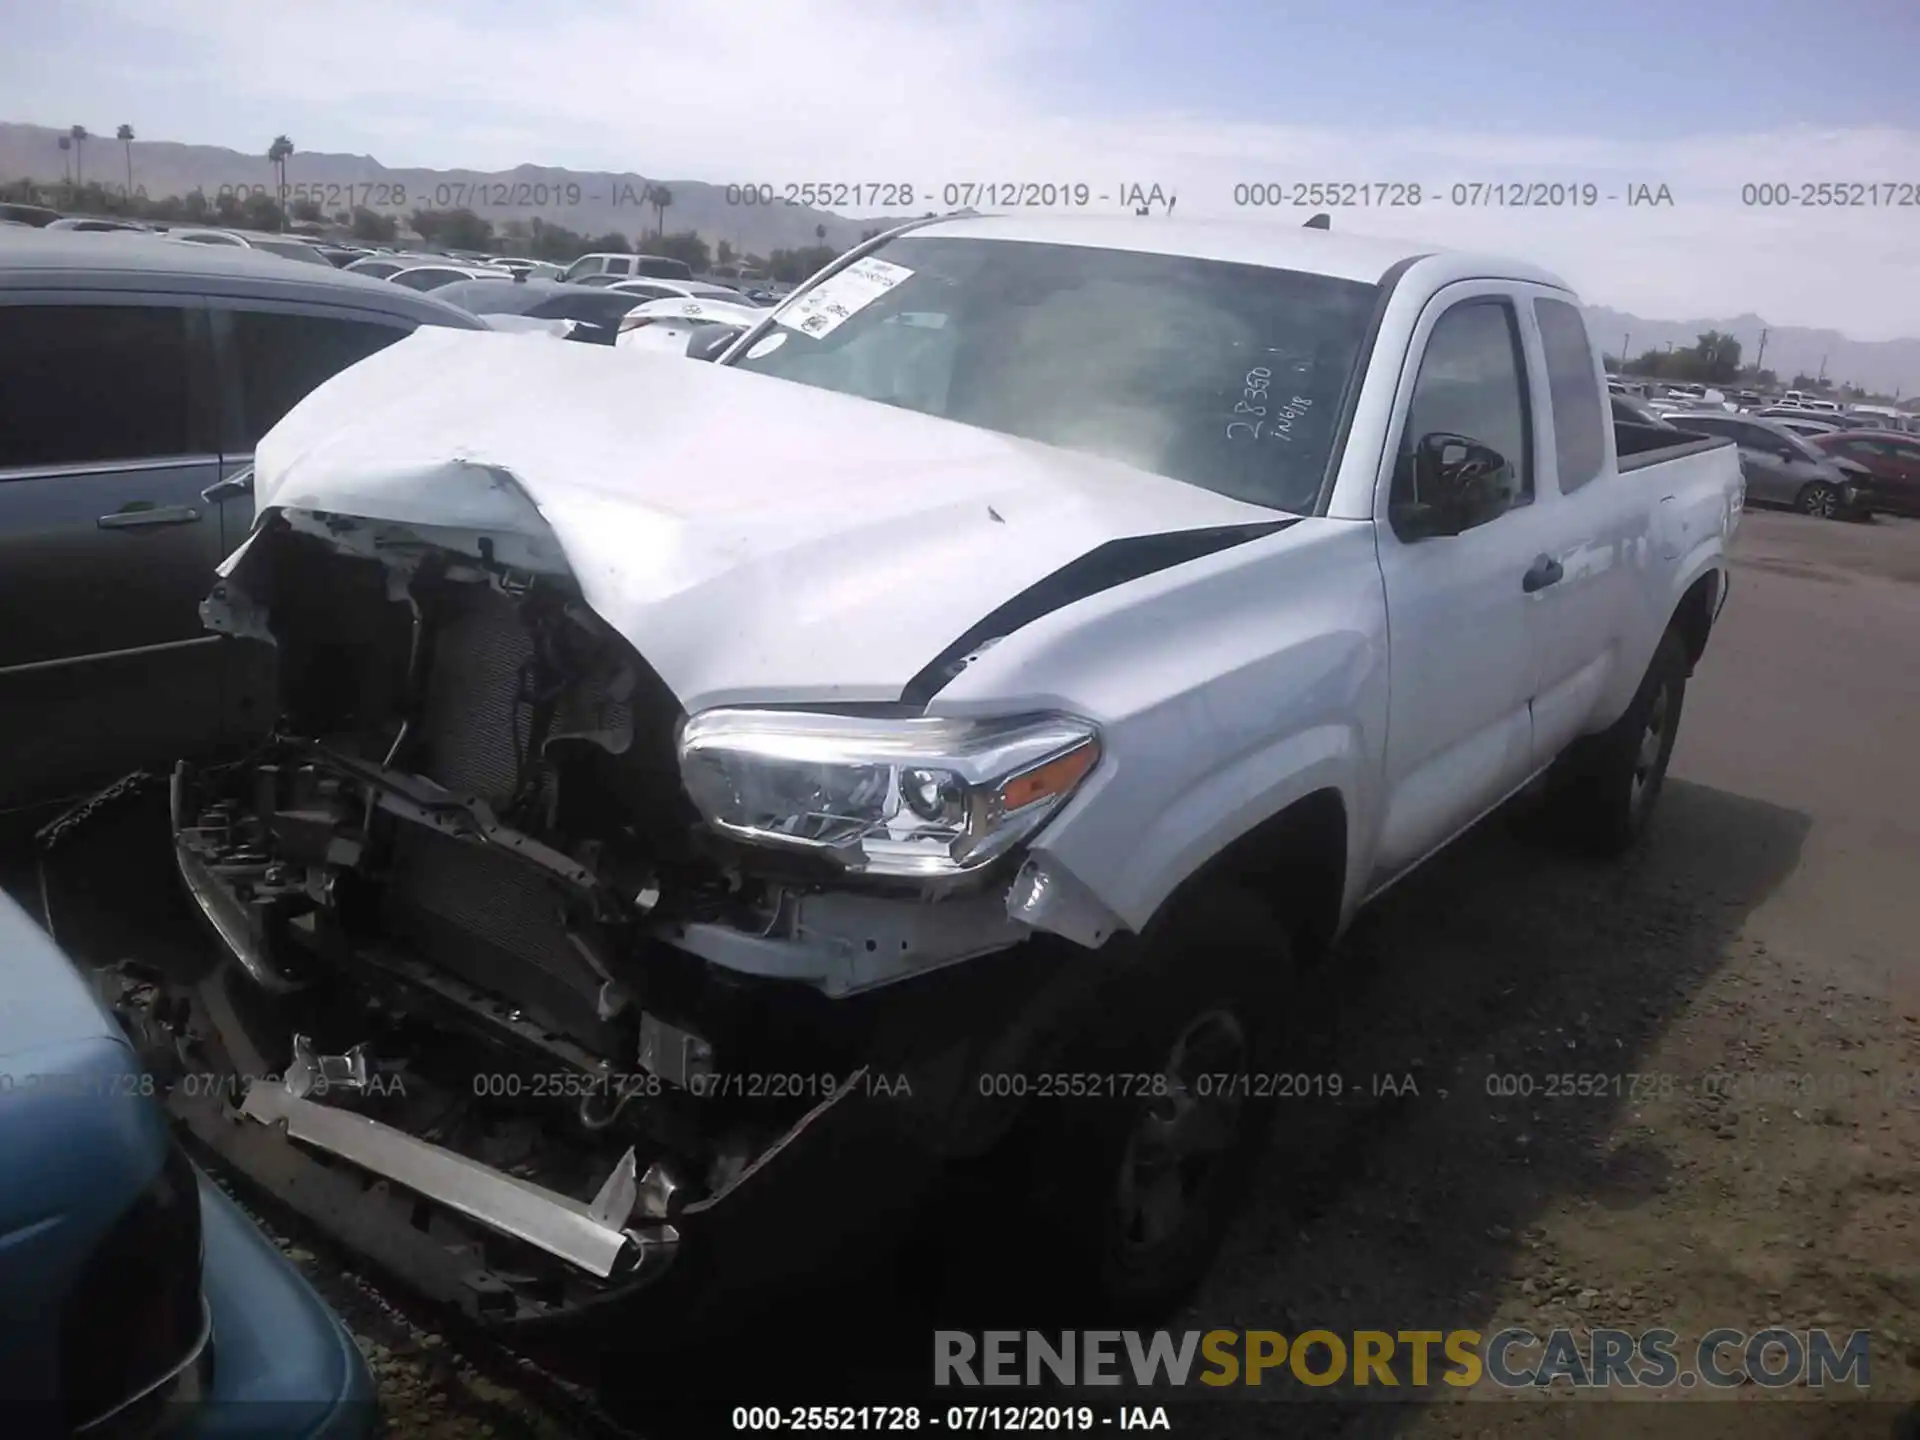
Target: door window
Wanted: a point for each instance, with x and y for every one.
(95, 384)
(282, 356)
(1472, 382)
(1578, 428)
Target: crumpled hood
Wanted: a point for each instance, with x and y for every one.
(752, 538)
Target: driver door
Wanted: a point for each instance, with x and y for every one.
(1461, 666)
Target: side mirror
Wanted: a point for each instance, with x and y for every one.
(706, 342)
(1457, 483)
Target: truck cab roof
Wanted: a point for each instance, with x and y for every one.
(1314, 252)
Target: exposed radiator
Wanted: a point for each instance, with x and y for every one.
(469, 727)
(493, 920)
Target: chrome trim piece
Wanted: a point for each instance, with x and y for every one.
(104, 467)
(149, 519)
(98, 655)
(224, 913)
(188, 1383)
(558, 1224)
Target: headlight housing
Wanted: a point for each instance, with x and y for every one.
(919, 797)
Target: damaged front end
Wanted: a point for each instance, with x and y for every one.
(533, 999)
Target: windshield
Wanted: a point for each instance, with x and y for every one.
(1226, 376)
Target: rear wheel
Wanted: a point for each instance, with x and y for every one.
(1135, 1181)
(1603, 790)
(1820, 499)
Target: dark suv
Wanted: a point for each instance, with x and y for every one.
(135, 377)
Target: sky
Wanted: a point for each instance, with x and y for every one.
(1200, 97)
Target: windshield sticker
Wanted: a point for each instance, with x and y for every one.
(767, 346)
(838, 298)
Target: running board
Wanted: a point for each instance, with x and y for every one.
(593, 1236)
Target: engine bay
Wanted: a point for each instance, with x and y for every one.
(486, 957)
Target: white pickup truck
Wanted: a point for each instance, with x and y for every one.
(710, 799)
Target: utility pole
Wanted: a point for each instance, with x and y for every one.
(1823, 370)
(1626, 350)
(1762, 355)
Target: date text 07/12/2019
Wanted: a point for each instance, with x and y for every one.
(955, 195)
(1456, 195)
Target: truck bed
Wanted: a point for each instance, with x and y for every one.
(1639, 446)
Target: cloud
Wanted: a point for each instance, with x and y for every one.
(956, 91)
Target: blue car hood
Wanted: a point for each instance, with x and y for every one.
(44, 1000)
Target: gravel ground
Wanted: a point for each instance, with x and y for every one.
(1761, 937)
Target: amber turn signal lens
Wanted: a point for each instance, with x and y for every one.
(1056, 777)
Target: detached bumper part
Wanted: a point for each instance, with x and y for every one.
(594, 1237)
(229, 919)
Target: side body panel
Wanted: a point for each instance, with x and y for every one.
(1226, 689)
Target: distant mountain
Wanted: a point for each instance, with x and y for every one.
(591, 202)
(594, 202)
(1884, 366)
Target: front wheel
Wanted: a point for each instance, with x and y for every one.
(1603, 790)
(1134, 1182)
(1820, 499)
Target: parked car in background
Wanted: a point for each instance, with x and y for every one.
(380, 265)
(135, 377)
(431, 276)
(1783, 468)
(94, 224)
(532, 269)
(37, 216)
(1631, 411)
(1892, 457)
(1809, 429)
(140, 1300)
(620, 266)
(597, 312)
(284, 246)
(656, 289)
(670, 324)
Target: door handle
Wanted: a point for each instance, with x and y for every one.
(231, 488)
(1546, 571)
(131, 519)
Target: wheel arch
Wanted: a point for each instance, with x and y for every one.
(1295, 862)
(1693, 617)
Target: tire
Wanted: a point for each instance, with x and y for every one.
(1132, 1193)
(1603, 790)
(1819, 499)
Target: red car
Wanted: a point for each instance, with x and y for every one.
(1892, 455)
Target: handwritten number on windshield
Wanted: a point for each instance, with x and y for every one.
(1254, 401)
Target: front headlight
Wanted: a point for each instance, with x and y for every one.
(917, 797)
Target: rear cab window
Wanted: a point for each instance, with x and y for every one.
(1579, 427)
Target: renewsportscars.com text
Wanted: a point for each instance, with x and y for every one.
(1721, 1359)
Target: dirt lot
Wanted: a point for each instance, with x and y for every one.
(1746, 984)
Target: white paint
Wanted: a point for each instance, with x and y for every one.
(763, 541)
(750, 536)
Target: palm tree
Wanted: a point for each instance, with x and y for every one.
(125, 136)
(66, 159)
(820, 233)
(79, 134)
(660, 197)
(278, 154)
